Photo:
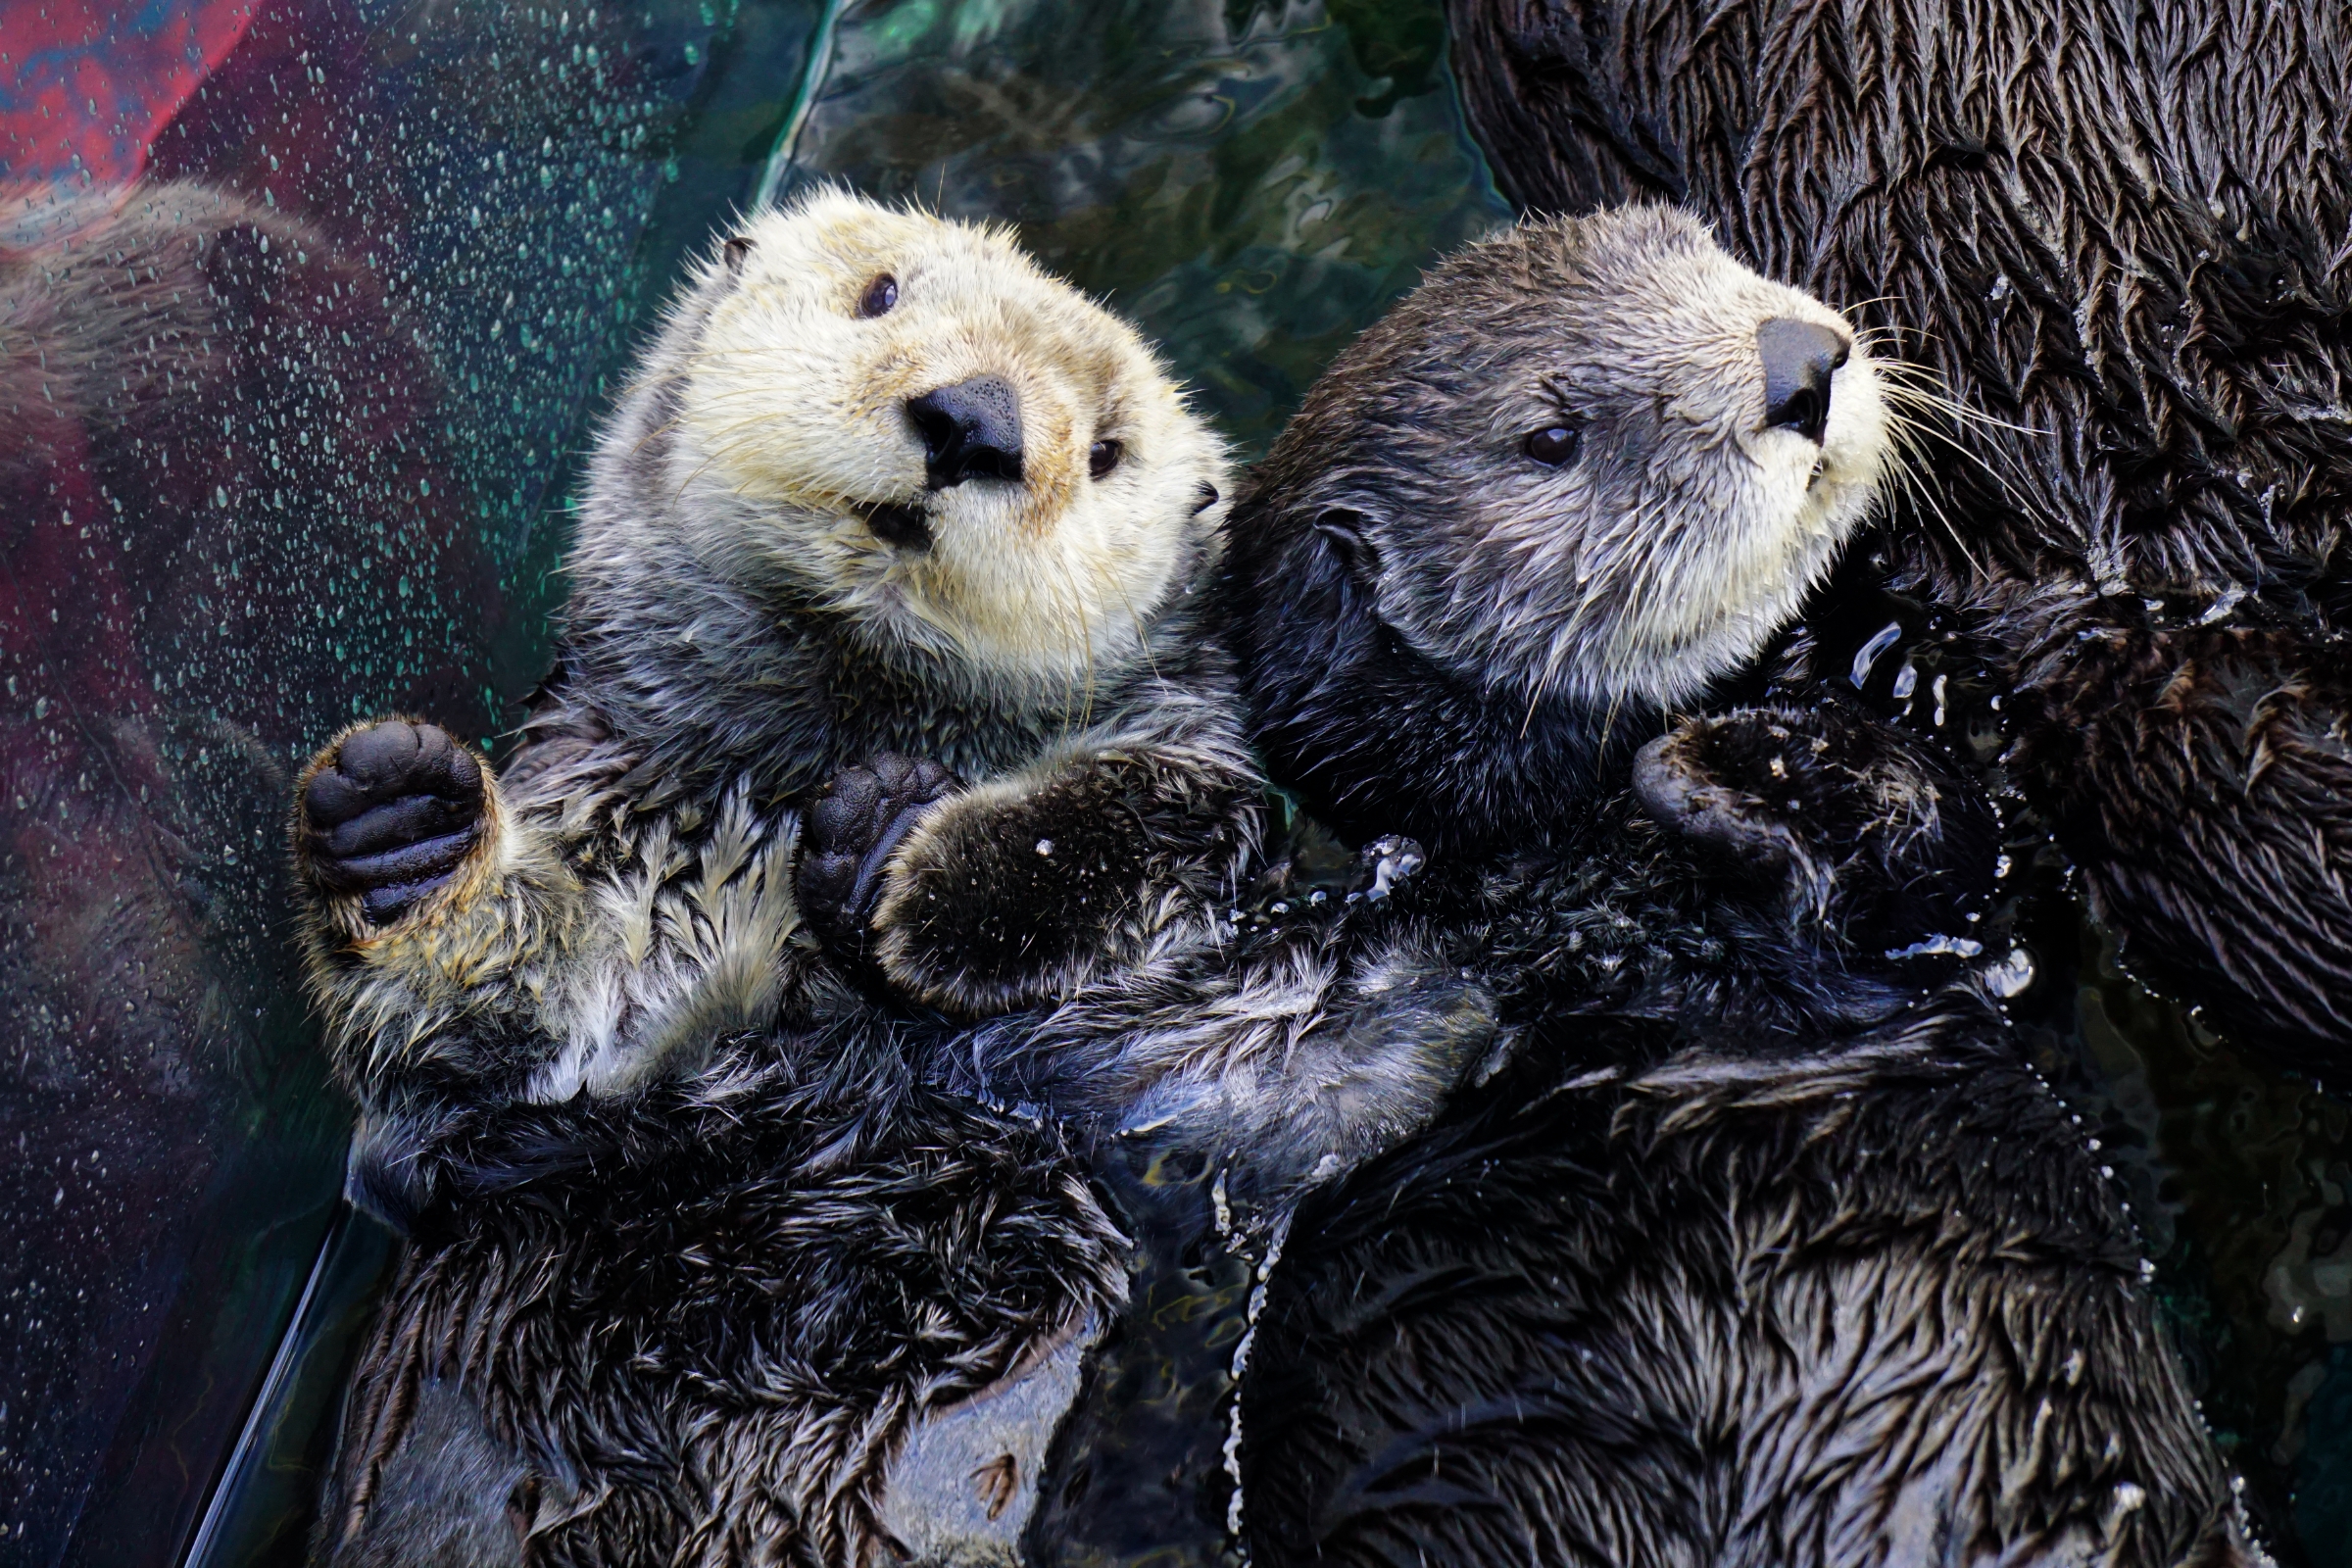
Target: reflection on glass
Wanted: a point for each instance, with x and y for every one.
(301, 308)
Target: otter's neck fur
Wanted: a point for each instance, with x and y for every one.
(704, 681)
(1381, 739)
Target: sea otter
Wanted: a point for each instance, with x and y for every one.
(2122, 238)
(880, 487)
(1762, 1245)
(894, 528)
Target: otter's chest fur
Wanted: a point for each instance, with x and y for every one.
(1877, 1304)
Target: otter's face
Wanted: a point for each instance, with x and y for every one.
(1597, 460)
(940, 441)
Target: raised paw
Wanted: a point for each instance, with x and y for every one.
(391, 814)
(857, 818)
(1849, 823)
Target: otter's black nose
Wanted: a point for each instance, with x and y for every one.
(1800, 358)
(971, 430)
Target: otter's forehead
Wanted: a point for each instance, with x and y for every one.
(1630, 309)
(959, 279)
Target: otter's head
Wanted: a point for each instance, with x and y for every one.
(905, 420)
(1580, 474)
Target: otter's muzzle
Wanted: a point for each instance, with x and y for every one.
(1800, 358)
(971, 430)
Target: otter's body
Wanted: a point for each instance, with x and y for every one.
(881, 487)
(804, 543)
(888, 678)
(1876, 1304)
(2121, 237)
(1763, 1246)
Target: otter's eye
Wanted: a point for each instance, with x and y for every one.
(1554, 445)
(1102, 457)
(879, 296)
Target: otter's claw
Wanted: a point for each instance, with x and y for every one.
(1387, 861)
(859, 817)
(392, 814)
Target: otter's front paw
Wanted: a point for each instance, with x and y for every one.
(1850, 824)
(858, 818)
(391, 813)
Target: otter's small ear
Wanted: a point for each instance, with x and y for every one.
(1343, 534)
(735, 250)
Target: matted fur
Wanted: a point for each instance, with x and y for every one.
(532, 1041)
(705, 1348)
(2119, 236)
(1876, 1304)
(737, 633)
(1749, 1252)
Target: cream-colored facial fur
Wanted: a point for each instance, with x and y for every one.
(795, 403)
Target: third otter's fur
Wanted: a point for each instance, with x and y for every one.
(2121, 236)
(1741, 1259)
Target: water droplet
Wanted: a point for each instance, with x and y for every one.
(2011, 976)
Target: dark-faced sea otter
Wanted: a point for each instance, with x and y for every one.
(1725, 1265)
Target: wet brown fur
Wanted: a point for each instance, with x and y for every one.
(2115, 237)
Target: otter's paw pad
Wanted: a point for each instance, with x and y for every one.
(1713, 783)
(859, 817)
(392, 814)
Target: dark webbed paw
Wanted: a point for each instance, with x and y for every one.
(392, 814)
(1851, 826)
(858, 818)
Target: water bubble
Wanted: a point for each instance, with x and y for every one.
(2010, 975)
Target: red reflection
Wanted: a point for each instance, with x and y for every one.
(84, 88)
(227, 524)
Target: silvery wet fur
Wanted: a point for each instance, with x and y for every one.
(739, 632)
(595, 1047)
(1543, 617)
